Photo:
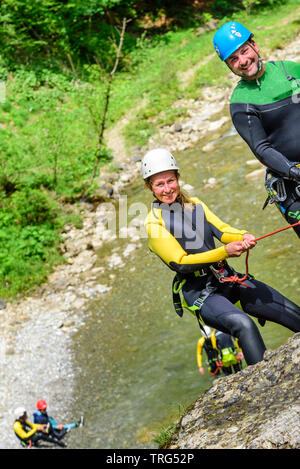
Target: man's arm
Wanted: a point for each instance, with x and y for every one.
(248, 125)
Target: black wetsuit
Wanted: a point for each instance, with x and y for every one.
(266, 113)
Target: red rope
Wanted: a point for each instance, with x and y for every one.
(240, 280)
(277, 231)
(236, 278)
(214, 372)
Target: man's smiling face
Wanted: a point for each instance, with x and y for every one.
(244, 62)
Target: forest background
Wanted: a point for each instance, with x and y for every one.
(57, 62)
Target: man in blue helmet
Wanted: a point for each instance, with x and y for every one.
(265, 110)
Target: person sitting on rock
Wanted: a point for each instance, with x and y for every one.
(57, 430)
(29, 433)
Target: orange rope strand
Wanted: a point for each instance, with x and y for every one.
(277, 231)
(240, 280)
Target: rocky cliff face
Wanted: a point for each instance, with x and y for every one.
(258, 408)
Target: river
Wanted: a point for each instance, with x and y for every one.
(135, 359)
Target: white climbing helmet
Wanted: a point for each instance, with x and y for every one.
(19, 412)
(207, 332)
(157, 160)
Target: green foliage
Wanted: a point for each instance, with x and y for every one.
(47, 153)
(32, 207)
(164, 436)
(29, 237)
(221, 8)
(55, 32)
(71, 34)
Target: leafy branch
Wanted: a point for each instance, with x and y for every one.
(101, 127)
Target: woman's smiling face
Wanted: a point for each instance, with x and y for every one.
(165, 186)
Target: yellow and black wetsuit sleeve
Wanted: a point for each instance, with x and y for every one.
(199, 351)
(213, 340)
(21, 433)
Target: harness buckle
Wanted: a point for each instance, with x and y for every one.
(199, 303)
(219, 274)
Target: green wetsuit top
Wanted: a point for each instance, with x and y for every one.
(266, 114)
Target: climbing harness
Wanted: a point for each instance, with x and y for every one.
(178, 283)
(218, 366)
(226, 359)
(221, 277)
(275, 187)
(176, 288)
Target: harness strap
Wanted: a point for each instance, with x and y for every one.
(177, 285)
(216, 370)
(289, 77)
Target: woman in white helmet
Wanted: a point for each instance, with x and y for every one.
(29, 433)
(182, 233)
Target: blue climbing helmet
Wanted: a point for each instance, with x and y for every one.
(229, 38)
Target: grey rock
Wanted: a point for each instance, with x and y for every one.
(257, 408)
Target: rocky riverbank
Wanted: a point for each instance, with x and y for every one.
(36, 331)
(258, 408)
